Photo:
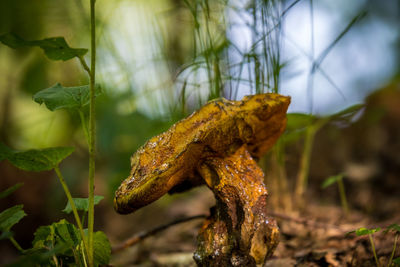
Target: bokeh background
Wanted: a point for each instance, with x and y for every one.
(158, 60)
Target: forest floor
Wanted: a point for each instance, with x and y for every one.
(316, 237)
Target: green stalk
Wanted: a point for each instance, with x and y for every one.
(84, 259)
(92, 129)
(76, 257)
(84, 125)
(343, 198)
(373, 249)
(55, 260)
(15, 243)
(73, 207)
(280, 177)
(302, 177)
(84, 65)
(394, 250)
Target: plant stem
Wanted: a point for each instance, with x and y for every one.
(92, 128)
(55, 260)
(84, 65)
(302, 177)
(76, 257)
(73, 207)
(343, 198)
(394, 249)
(373, 249)
(84, 259)
(84, 125)
(15, 243)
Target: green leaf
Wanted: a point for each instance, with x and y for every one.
(10, 190)
(13, 40)
(10, 217)
(59, 97)
(297, 121)
(35, 159)
(66, 233)
(347, 113)
(331, 180)
(38, 257)
(365, 231)
(61, 232)
(6, 235)
(297, 124)
(43, 237)
(393, 227)
(81, 204)
(40, 159)
(33, 257)
(397, 261)
(102, 249)
(55, 48)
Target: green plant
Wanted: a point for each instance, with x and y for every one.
(10, 216)
(368, 232)
(56, 241)
(396, 229)
(306, 126)
(339, 180)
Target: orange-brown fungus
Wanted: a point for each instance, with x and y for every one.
(238, 232)
(215, 146)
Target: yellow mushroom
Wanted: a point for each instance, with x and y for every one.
(216, 146)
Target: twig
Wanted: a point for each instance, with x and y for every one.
(142, 235)
(84, 65)
(302, 220)
(138, 237)
(16, 244)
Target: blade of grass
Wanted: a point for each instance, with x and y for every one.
(315, 64)
(327, 50)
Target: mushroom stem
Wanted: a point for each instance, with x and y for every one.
(238, 231)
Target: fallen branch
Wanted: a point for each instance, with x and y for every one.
(142, 235)
(138, 237)
(306, 222)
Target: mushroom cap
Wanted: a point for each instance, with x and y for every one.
(171, 159)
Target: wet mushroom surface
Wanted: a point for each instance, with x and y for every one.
(216, 146)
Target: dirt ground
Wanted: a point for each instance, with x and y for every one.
(317, 237)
